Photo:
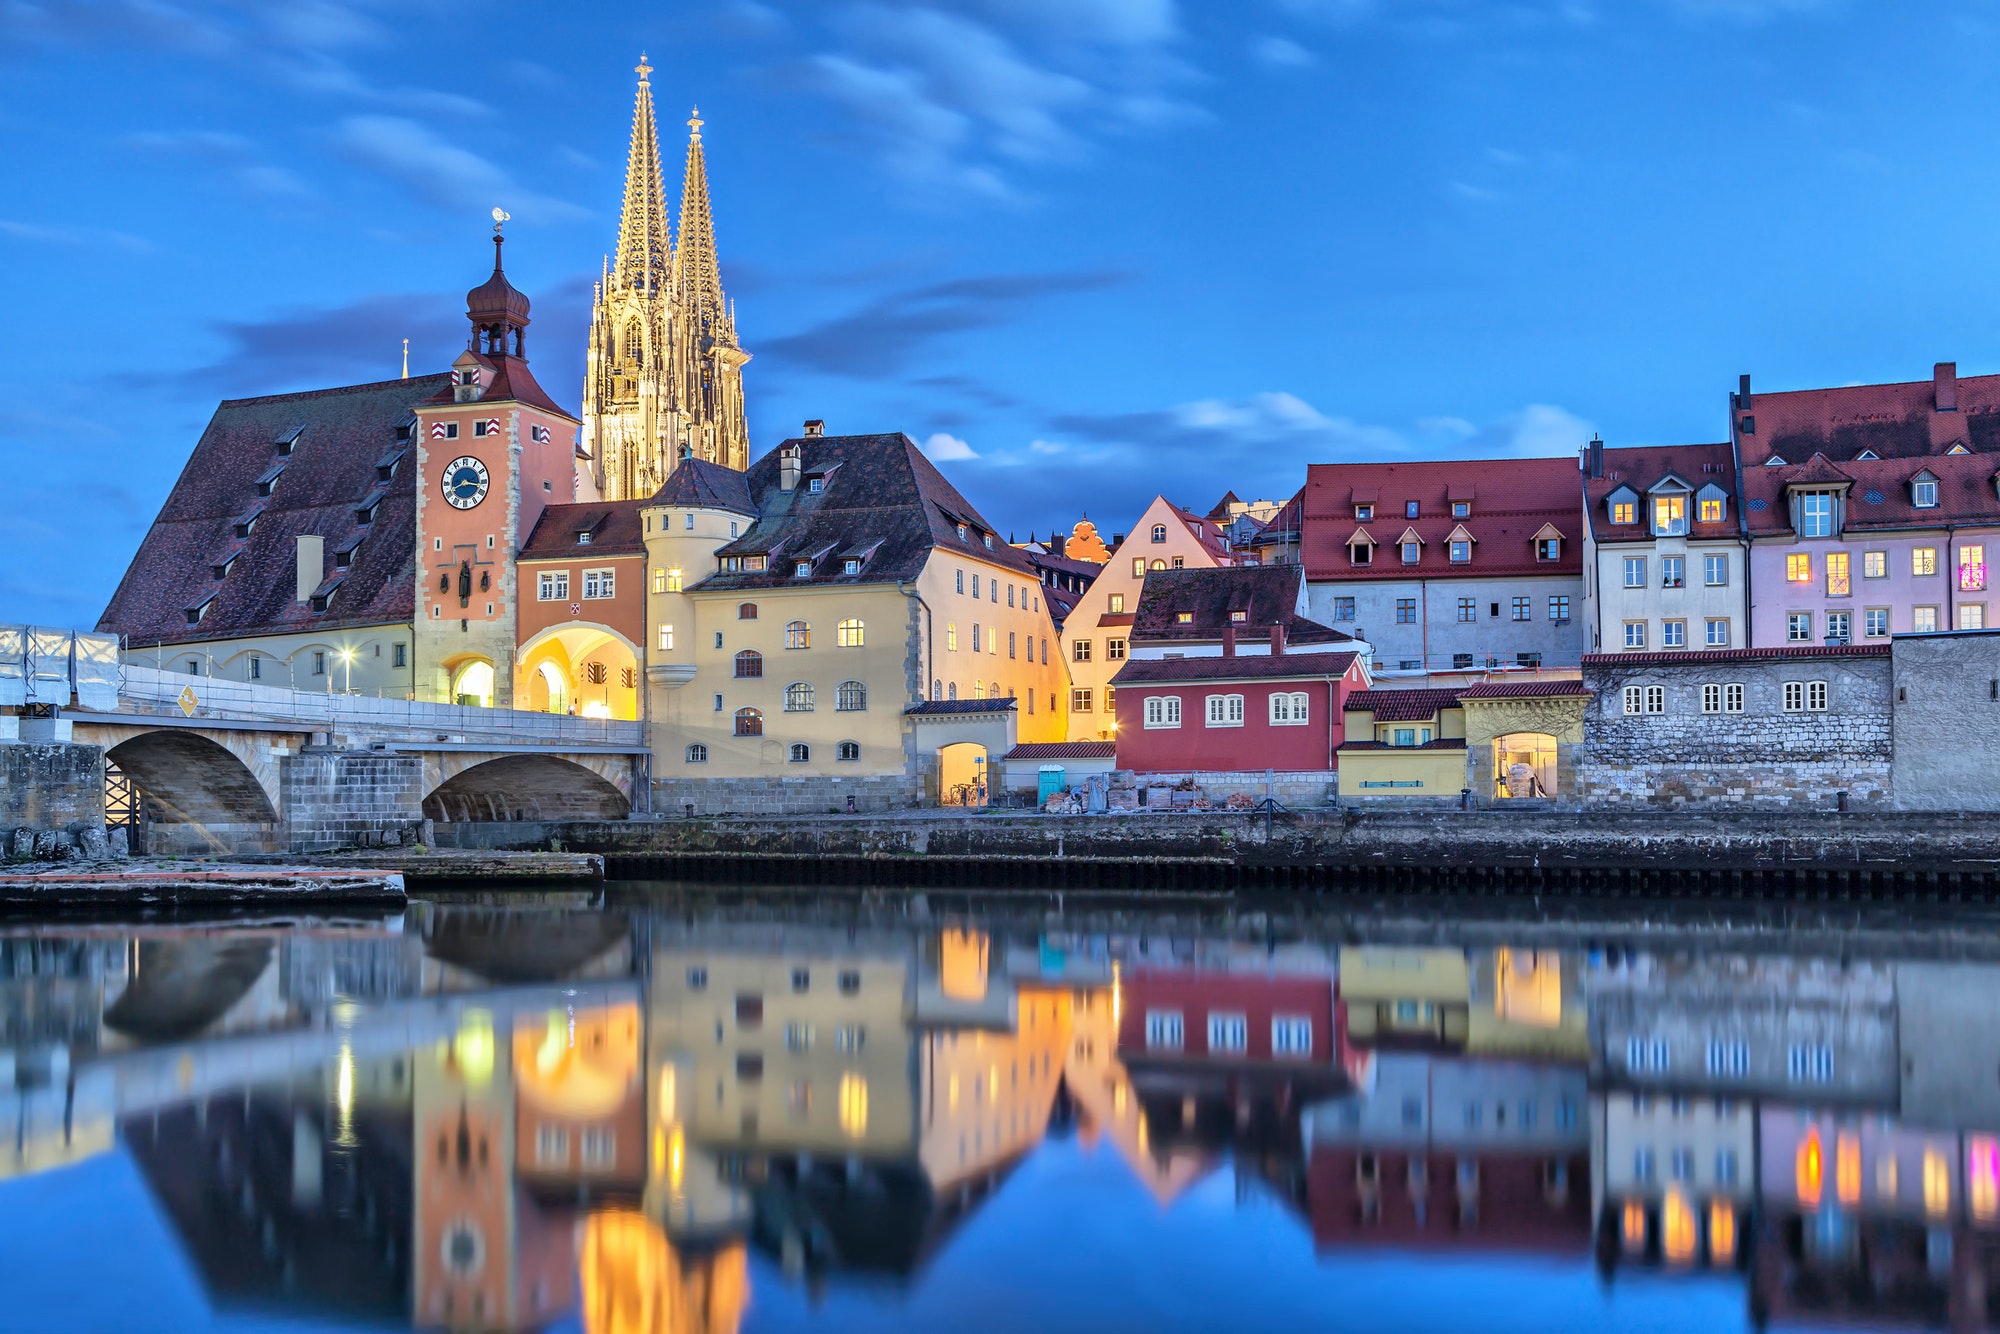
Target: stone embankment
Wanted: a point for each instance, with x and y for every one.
(124, 886)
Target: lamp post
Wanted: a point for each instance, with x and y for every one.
(347, 657)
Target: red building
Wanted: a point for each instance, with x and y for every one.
(1241, 1020)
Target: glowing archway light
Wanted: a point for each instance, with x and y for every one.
(1810, 1170)
(1677, 1229)
(1721, 1232)
(1633, 1226)
(1982, 1177)
(1847, 1169)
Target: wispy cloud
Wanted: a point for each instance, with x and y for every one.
(1280, 53)
(82, 238)
(441, 173)
(234, 156)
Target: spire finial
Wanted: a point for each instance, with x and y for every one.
(643, 68)
(645, 246)
(406, 358)
(695, 122)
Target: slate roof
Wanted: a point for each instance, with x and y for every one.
(699, 484)
(1899, 420)
(331, 470)
(1401, 706)
(1879, 497)
(614, 526)
(1511, 501)
(1060, 602)
(1265, 666)
(883, 502)
(1644, 467)
(1707, 655)
(1268, 595)
(508, 379)
(1063, 750)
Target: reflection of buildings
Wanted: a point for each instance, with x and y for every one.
(1405, 994)
(635, 1281)
(1674, 1177)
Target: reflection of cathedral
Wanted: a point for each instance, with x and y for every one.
(663, 379)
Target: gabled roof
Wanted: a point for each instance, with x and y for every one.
(699, 484)
(1879, 499)
(331, 469)
(1402, 706)
(1818, 470)
(1901, 420)
(508, 379)
(1514, 499)
(1268, 595)
(1641, 468)
(1265, 666)
(614, 527)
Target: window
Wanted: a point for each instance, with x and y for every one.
(1079, 701)
(1874, 565)
(1836, 574)
(1225, 710)
(1971, 569)
(1183, 618)
(802, 569)
(847, 751)
(1548, 548)
(697, 754)
(319, 663)
(1291, 1035)
(659, 581)
(1809, 1064)
(746, 611)
(1635, 699)
(1805, 696)
(1559, 608)
(798, 1036)
(666, 638)
(1972, 616)
(1361, 553)
(799, 697)
(1163, 1029)
(1343, 609)
(1635, 634)
(1798, 568)
(1798, 627)
(848, 633)
(749, 722)
(1656, 699)
(1461, 660)
(1728, 1059)
(816, 485)
(1711, 699)
(801, 753)
(1670, 516)
(1468, 609)
(1839, 625)
(1404, 736)
(1288, 709)
(849, 1038)
(1461, 509)
(1114, 649)
(1364, 512)
(718, 702)
(597, 583)
(975, 586)
(1228, 1032)
(1079, 650)
(1725, 1167)
(1710, 510)
(1673, 571)
(1159, 532)
(1624, 511)
(1717, 632)
(1923, 560)
(1115, 604)
(951, 636)
(718, 639)
(852, 565)
(1673, 634)
(1406, 611)
(1461, 552)
(1163, 711)
(1816, 514)
(1412, 552)
(552, 586)
(850, 697)
(1715, 570)
(1138, 567)
(1635, 572)
(1642, 1054)
(1524, 608)
(749, 663)
(1923, 620)
(1409, 509)
(1875, 622)
(1924, 494)
(798, 634)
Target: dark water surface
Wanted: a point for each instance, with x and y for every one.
(677, 1113)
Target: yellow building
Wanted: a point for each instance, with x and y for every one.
(1528, 1003)
(837, 623)
(1406, 993)
(1502, 740)
(1402, 743)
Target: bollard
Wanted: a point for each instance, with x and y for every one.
(1840, 801)
(1465, 798)
(850, 804)
(690, 809)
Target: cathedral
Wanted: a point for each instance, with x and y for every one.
(664, 376)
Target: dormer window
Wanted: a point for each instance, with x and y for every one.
(1549, 548)
(1867, 454)
(1815, 514)
(815, 485)
(1710, 509)
(583, 537)
(1624, 511)
(1670, 516)
(962, 536)
(1461, 552)
(801, 569)
(1238, 617)
(1364, 512)
(987, 538)
(1924, 493)
(1183, 618)
(289, 438)
(852, 565)
(1412, 552)
(756, 564)
(1461, 509)
(268, 479)
(1410, 509)
(468, 377)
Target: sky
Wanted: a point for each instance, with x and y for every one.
(1084, 251)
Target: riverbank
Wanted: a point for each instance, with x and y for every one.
(448, 867)
(116, 887)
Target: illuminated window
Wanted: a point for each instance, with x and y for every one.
(951, 636)
(1670, 516)
(1923, 560)
(749, 722)
(798, 634)
(1971, 569)
(853, 1105)
(1711, 511)
(1808, 1169)
(1837, 584)
(659, 581)
(1798, 568)
(1937, 1183)
(1625, 511)
(848, 633)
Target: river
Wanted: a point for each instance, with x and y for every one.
(676, 1110)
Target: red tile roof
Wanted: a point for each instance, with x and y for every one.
(1435, 743)
(1267, 595)
(1879, 497)
(1524, 690)
(1283, 666)
(1643, 467)
(1894, 420)
(508, 381)
(1063, 750)
(614, 527)
(1402, 706)
(1701, 655)
(1515, 499)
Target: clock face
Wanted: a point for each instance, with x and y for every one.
(465, 482)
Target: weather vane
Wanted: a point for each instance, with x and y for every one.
(500, 216)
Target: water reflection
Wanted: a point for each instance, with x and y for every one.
(693, 1121)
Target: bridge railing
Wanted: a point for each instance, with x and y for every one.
(150, 690)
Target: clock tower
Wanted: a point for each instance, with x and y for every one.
(493, 449)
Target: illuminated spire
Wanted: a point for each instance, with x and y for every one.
(645, 245)
(697, 280)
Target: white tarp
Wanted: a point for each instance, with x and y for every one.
(97, 674)
(48, 665)
(13, 665)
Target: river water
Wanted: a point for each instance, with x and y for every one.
(675, 1112)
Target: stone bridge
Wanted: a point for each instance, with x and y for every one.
(201, 765)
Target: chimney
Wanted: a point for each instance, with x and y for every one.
(1057, 544)
(815, 427)
(1594, 456)
(1278, 640)
(1228, 641)
(1743, 392)
(312, 564)
(1945, 377)
(1117, 540)
(789, 465)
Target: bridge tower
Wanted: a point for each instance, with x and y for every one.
(493, 450)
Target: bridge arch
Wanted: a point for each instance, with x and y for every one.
(523, 787)
(209, 789)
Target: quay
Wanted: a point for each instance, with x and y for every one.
(124, 886)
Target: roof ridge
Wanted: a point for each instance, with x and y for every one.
(440, 376)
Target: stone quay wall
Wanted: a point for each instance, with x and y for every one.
(1763, 756)
(802, 795)
(51, 801)
(350, 799)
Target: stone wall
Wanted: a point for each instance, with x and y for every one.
(1763, 756)
(1292, 788)
(51, 801)
(350, 798)
(801, 795)
(1947, 721)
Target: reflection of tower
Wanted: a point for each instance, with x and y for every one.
(581, 1109)
(636, 1282)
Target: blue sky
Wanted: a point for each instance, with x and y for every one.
(1086, 250)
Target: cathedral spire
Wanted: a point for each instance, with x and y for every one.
(645, 245)
(697, 279)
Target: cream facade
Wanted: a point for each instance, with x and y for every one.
(372, 660)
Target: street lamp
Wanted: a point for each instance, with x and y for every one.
(347, 657)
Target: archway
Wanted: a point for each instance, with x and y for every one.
(1524, 765)
(962, 776)
(180, 987)
(548, 688)
(472, 683)
(194, 794)
(526, 787)
(591, 668)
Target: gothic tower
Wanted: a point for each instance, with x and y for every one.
(663, 373)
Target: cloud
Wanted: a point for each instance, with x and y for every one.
(234, 156)
(943, 448)
(310, 347)
(81, 238)
(444, 175)
(887, 335)
(1280, 53)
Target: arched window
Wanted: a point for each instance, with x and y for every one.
(951, 636)
(848, 750)
(851, 698)
(801, 753)
(635, 346)
(798, 635)
(1159, 532)
(848, 633)
(951, 691)
(749, 663)
(979, 690)
(799, 697)
(697, 754)
(1159, 564)
(749, 722)
(937, 688)
(746, 611)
